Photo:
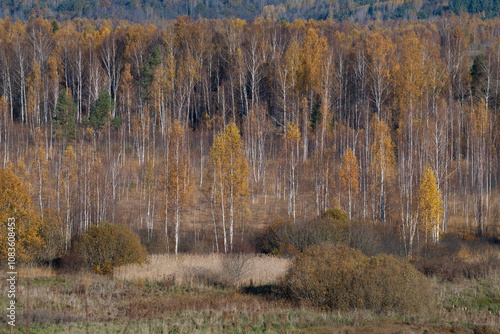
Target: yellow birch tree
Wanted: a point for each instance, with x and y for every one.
(228, 177)
(179, 176)
(292, 143)
(69, 171)
(430, 205)
(382, 164)
(40, 168)
(349, 178)
(34, 96)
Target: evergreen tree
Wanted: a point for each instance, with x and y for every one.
(148, 72)
(478, 75)
(102, 111)
(65, 115)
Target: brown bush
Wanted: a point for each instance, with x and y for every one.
(286, 238)
(155, 242)
(388, 283)
(237, 267)
(339, 277)
(365, 237)
(68, 263)
(450, 269)
(107, 246)
(455, 258)
(321, 273)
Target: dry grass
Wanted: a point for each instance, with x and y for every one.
(485, 254)
(475, 301)
(58, 304)
(36, 271)
(190, 269)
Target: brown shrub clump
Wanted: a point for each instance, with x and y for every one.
(455, 259)
(450, 269)
(107, 246)
(289, 239)
(339, 277)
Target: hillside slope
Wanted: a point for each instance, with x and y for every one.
(152, 10)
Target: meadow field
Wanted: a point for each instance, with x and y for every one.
(229, 294)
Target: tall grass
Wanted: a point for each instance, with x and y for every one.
(148, 304)
(36, 271)
(193, 269)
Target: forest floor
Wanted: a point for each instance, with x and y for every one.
(237, 295)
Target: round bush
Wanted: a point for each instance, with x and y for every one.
(107, 246)
(287, 238)
(389, 283)
(339, 277)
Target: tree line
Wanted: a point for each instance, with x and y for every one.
(223, 125)
(156, 10)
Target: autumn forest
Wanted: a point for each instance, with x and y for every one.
(199, 133)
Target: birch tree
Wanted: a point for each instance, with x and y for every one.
(228, 178)
(382, 164)
(179, 176)
(349, 179)
(430, 204)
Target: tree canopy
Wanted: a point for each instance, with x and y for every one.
(17, 219)
(144, 10)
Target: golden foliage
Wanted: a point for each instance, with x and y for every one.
(107, 246)
(17, 209)
(349, 174)
(349, 177)
(228, 162)
(228, 178)
(430, 204)
(383, 162)
(383, 159)
(292, 135)
(480, 120)
(339, 277)
(312, 54)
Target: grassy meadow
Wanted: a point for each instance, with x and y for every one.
(227, 294)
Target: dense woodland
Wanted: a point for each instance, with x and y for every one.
(154, 10)
(222, 127)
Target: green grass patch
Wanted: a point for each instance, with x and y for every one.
(491, 304)
(47, 281)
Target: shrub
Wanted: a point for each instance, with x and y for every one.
(68, 263)
(363, 236)
(321, 275)
(455, 258)
(336, 214)
(155, 242)
(450, 269)
(106, 246)
(388, 283)
(237, 267)
(287, 238)
(339, 277)
(51, 232)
